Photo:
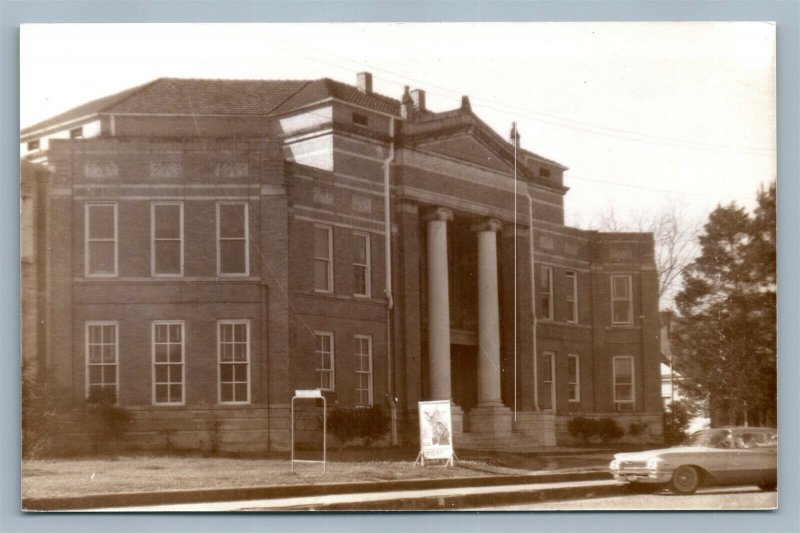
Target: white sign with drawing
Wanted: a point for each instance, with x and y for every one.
(435, 431)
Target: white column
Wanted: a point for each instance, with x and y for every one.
(488, 315)
(438, 305)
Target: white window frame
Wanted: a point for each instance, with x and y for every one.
(552, 380)
(87, 240)
(87, 365)
(318, 353)
(328, 260)
(629, 299)
(246, 240)
(359, 369)
(367, 266)
(153, 239)
(572, 295)
(220, 324)
(547, 313)
(168, 323)
(618, 403)
(577, 378)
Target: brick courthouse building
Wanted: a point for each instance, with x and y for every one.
(211, 246)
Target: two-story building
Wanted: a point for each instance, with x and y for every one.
(213, 245)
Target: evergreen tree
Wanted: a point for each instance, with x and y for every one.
(725, 334)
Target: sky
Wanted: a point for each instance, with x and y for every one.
(647, 116)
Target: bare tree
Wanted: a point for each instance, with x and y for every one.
(675, 235)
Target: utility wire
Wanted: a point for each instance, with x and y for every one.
(546, 117)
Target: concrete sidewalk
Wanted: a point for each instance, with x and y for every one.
(408, 500)
(414, 494)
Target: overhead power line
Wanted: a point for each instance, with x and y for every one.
(539, 116)
(653, 189)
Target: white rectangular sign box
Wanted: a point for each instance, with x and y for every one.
(313, 393)
(435, 431)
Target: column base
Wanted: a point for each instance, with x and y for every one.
(491, 420)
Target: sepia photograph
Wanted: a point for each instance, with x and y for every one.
(398, 267)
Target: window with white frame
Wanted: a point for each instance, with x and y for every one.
(363, 370)
(102, 370)
(325, 358)
(546, 292)
(168, 362)
(572, 296)
(101, 239)
(232, 239)
(323, 258)
(574, 378)
(234, 360)
(624, 396)
(361, 264)
(548, 380)
(166, 234)
(621, 300)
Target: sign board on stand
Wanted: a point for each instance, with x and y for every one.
(435, 432)
(313, 394)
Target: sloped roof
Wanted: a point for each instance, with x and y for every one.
(326, 87)
(188, 96)
(222, 97)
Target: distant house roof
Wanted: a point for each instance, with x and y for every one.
(187, 96)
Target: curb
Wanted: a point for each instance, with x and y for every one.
(461, 502)
(131, 499)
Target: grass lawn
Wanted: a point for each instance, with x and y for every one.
(43, 478)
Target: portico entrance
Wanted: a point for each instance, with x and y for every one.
(462, 268)
(464, 368)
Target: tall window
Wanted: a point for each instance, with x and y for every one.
(623, 383)
(548, 380)
(101, 239)
(101, 360)
(327, 379)
(232, 239)
(572, 296)
(546, 292)
(166, 234)
(361, 265)
(323, 258)
(621, 300)
(363, 370)
(234, 360)
(574, 378)
(168, 366)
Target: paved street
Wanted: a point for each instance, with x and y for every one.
(735, 498)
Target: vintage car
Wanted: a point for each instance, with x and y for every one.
(721, 456)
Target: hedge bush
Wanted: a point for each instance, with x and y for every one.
(585, 429)
(608, 429)
(369, 424)
(104, 421)
(582, 429)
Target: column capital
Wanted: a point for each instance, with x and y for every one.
(439, 213)
(490, 224)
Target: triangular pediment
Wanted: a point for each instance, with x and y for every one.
(466, 147)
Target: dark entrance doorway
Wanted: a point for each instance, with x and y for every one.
(464, 375)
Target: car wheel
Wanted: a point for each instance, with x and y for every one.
(685, 480)
(769, 485)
